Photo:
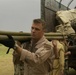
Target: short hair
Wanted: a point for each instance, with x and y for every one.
(40, 21)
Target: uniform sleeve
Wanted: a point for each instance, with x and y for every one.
(16, 57)
(41, 55)
(61, 59)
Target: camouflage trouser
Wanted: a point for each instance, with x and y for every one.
(18, 69)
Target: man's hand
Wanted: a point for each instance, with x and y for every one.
(54, 43)
(9, 42)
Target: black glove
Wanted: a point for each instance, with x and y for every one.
(10, 42)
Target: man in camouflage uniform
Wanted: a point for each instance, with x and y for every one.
(18, 65)
(38, 54)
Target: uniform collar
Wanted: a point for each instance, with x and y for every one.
(40, 42)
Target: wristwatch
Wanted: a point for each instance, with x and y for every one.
(15, 47)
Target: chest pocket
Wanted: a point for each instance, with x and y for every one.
(28, 46)
(32, 48)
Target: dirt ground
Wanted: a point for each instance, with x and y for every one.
(6, 64)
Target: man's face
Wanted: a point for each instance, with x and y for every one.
(37, 31)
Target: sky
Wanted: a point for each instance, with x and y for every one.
(17, 15)
(65, 2)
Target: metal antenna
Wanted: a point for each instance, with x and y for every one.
(69, 4)
(60, 4)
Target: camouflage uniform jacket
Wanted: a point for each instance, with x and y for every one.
(38, 59)
(18, 65)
